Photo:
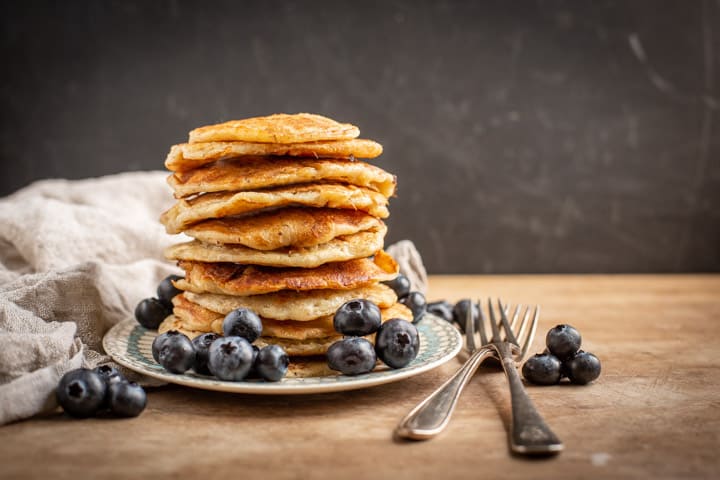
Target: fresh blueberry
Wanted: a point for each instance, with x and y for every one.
(272, 363)
(157, 344)
(401, 286)
(397, 343)
(81, 392)
(176, 353)
(583, 368)
(151, 312)
(230, 358)
(415, 301)
(166, 291)
(460, 311)
(542, 369)
(253, 373)
(126, 399)
(563, 341)
(352, 356)
(109, 373)
(442, 309)
(242, 322)
(202, 343)
(358, 318)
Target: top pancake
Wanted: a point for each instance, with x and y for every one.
(277, 128)
(256, 173)
(187, 156)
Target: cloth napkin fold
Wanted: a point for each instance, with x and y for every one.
(75, 259)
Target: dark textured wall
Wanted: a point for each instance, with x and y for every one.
(527, 136)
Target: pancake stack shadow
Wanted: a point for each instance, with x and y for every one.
(285, 220)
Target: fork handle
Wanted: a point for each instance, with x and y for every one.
(431, 416)
(530, 434)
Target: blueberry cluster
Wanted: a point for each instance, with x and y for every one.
(230, 357)
(562, 358)
(84, 393)
(396, 341)
(150, 312)
(415, 301)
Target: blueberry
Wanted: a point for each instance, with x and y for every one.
(166, 291)
(176, 353)
(157, 344)
(202, 343)
(81, 392)
(253, 373)
(542, 369)
(358, 318)
(151, 312)
(230, 358)
(397, 343)
(126, 399)
(242, 322)
(442, 309)
(352, 356)
(109, 374)
(272, 363)
(415, 301)
(583, 368)
(401, 286)
(460, 313)
(563, 341)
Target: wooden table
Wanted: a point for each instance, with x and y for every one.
(654, 412)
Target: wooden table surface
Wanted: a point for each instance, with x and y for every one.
(653, 413)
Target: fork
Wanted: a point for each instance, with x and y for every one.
(530, 434)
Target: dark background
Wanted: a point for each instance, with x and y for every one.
(527, 136)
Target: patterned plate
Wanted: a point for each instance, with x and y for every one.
(129, 344)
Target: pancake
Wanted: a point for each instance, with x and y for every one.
(297, 227)
(277, 128)
(186, 156)
(359, 245)
(218, 205)
(256, 173)
(243, 280)
(298, 306)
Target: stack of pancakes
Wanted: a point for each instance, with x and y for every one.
(285, 221)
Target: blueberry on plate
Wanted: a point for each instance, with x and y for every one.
(242, 322)
(358, 318)
(583, 368)
(442, 309)
(272, 363)
(352, 356)
(166, 291)
(397, 343)
(416, 302)
(460, 311)
(126, 399)
(253, 373)
(81, 392)
(563, 341)
(230, 358)
(400, 284)
(176, 353)
(542, 369)
(151, 312)
(202, 343)
(157, 344)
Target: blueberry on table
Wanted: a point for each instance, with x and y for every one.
(126, 399)
(358, 318)
(176, 353)
(81, 392)
(460, 313)
(166, 291)
(542, 369)
(397, 343)
(151, 312)
(272, 363)
(352, 356)
(109, 373)
(202, 343)
(416, 302)
(400, 284)
(230, 358)
(242, 322)
(563, 341)
(583, 368)
(442, 309)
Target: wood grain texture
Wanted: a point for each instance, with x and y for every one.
(654, 412)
